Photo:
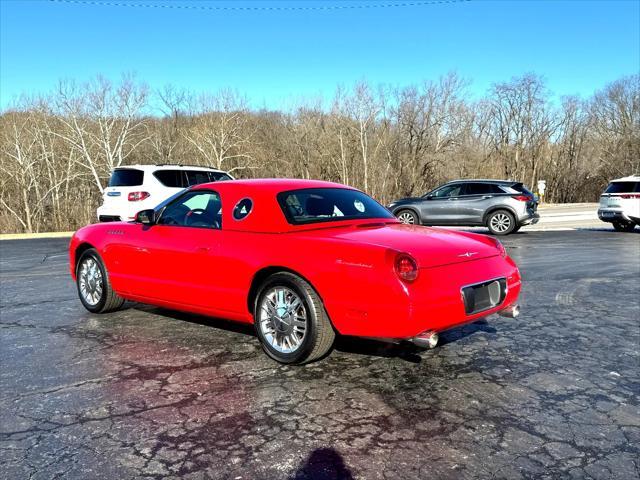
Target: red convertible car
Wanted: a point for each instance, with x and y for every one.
(299, 259)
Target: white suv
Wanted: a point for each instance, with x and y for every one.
(620, 203)
(139, 187)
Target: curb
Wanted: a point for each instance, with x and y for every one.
(27, 236)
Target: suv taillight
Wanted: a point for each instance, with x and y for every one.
(522, 198)
(406, 267)
(137, 196)
(630, 195)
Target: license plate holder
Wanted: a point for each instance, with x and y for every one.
(484, 296)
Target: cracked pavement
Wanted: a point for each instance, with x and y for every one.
(151, 393)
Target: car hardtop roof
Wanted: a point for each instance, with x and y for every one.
(168, 166)
(266, 213)
(269, 185)
(630, 178)
(483, 180)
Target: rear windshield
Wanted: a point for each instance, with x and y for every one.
(623, 187)
(126, 177)
(314, 205)
(518, 187)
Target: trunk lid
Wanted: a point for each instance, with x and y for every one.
(431, 247)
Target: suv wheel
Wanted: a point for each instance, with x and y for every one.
(501, 222)
(624, 227)
(408, 216)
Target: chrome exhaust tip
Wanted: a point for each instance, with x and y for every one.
(510, 312)
(426, 340)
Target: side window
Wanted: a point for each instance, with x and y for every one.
(479, 189)
(196, 177)
(448, 191)
(242, 209)
(194, 209)
(218, 176)
(170, 178)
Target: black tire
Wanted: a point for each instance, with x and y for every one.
(409, 215)
(624, 227)
(501, 222)
(108, 300)
(319, 335)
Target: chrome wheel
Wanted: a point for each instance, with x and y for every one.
(500, 222)
(90, 281)
(407, 217)
(283, 319)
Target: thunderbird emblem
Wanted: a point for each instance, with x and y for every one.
(468, 254)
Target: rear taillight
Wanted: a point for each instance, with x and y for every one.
(137, 196)
(630, 195)
(522, 198)
(406, 267)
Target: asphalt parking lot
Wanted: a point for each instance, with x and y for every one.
(147, 392)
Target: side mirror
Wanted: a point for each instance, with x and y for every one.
(146, 217)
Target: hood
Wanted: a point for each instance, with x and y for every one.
(405, 200)
(431, 247)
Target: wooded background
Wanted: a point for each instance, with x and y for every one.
(57, 150)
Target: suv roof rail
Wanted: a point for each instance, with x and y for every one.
(483, 180)
(184, 165)
(151, 165)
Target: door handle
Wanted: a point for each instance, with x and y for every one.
(486, 196)
(202, 249)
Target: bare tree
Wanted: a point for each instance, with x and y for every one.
(102, 122)
(221, 132)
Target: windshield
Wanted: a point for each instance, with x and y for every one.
(623, 187)
(313, 205)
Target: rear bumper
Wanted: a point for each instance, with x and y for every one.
(434, 302)
(529, 218)
(611, 215)
(110, 214)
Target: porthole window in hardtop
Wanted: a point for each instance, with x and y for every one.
(242, 208)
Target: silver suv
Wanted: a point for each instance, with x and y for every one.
(502, 206)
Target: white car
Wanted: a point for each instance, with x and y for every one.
(620, 203)
(139, 187)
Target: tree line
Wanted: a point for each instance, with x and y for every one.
(57, 150)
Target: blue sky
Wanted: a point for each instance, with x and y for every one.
(276, 57)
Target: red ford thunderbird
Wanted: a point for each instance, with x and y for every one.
(299, 259)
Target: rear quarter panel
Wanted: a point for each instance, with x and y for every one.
(355, 282)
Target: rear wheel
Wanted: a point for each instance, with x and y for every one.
(94, 288)
(291, 321)
(501, 222)
(408, 216)
(624, 227)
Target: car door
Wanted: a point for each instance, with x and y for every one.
(475, 200)
(440, 206)
(180, 253)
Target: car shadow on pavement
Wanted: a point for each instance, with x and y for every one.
(405, 350)
(402, 350)
(214, 322)
(459, 333)
(323, 464)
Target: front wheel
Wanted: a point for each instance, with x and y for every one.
(94, 288)
(501, 222)
(290, 320)
(408, 217)
(624, 227)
